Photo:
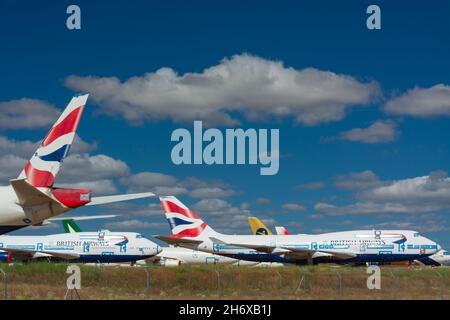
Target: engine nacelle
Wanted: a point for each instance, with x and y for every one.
(72, 198)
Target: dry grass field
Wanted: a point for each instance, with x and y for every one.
(48, 281)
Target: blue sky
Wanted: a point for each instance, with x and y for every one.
(381, 123)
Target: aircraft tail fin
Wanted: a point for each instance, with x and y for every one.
(70, 226)
(44, 165)
(281, 231)
(258, 227)
(183, 222)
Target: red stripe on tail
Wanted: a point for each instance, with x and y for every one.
(169, 206)
(68, 125)
(38, 178)
(193, 232)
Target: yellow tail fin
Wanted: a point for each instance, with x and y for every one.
(258, 228)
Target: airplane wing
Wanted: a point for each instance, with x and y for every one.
(296, 251)
(338, 254)
(257, 247)
(175, 241)
(121, 197)
(42, 253)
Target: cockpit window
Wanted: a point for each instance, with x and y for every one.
(416, 234)
(138, 236)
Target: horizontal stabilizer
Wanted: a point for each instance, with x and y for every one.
(121, 197)
(173, 240)
(28, 195)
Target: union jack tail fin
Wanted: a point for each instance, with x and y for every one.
(183, 222)
(42, 168)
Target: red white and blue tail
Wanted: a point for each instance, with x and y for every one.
(281, 231)
(44, 165)
(183, 222)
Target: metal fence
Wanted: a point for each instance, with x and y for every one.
(218, 282)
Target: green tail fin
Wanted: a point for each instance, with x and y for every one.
(70, 226)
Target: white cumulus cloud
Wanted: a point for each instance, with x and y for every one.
(423, 194)
(293, 207)
(378, 132)
(255, 87)
(421, 102)
(27, 114)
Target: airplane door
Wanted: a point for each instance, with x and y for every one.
(39, 246)
(86, 246)
(362, 247)
(313, 245)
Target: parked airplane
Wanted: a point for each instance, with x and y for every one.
(360, 246)
(440, 258)
(31, 198)
(169, 256)
(281, 231)
(98, 247)
(172, 256)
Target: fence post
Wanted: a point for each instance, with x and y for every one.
(340, 284)
(218, 284)
(5, 284)
(147, 283)
(441, 284)
(280, 278)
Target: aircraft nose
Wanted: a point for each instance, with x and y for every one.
(438, 246)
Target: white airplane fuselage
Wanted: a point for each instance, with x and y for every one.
(175, 256)
(440, 258)
(99, 247)
(14, 216)
(360, 246)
